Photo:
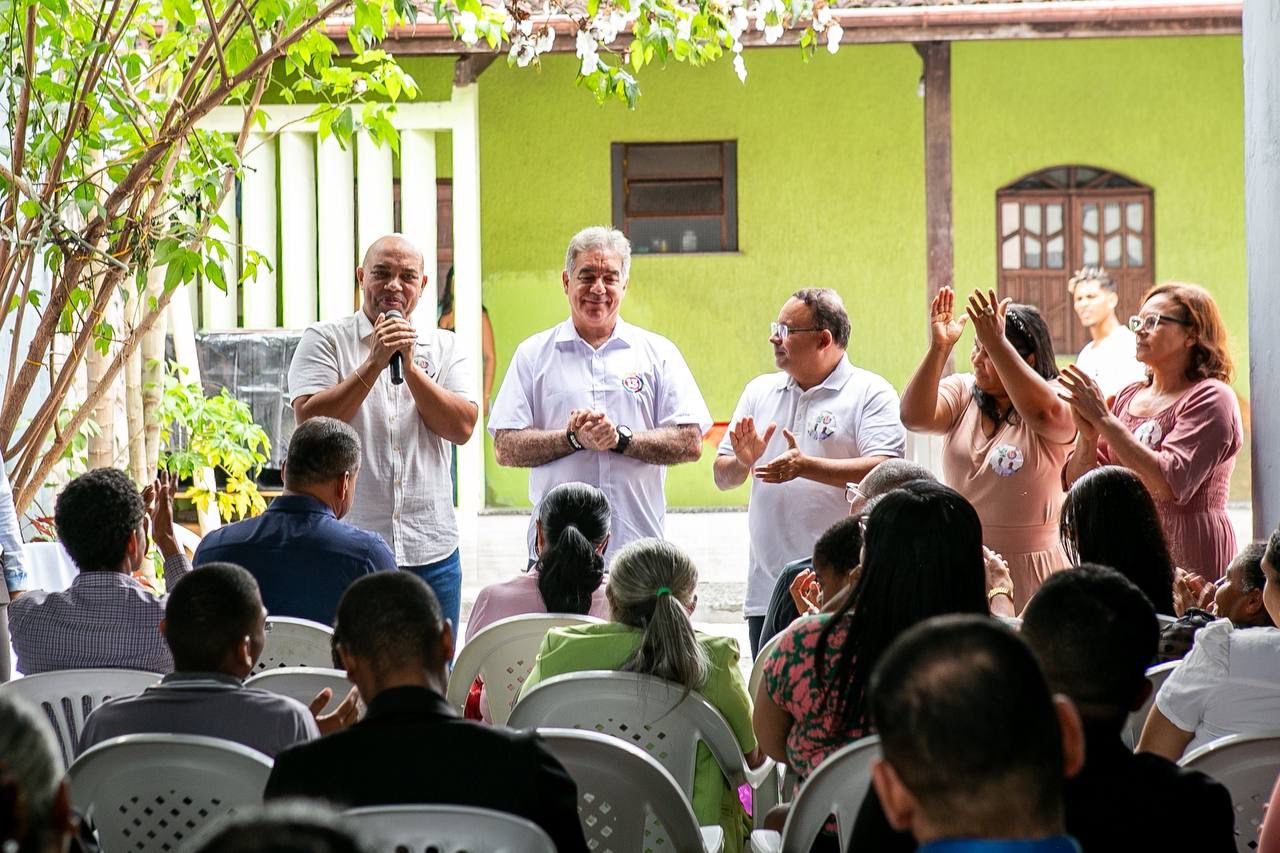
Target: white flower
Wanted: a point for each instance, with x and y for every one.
(508, 23)
(739, 67)
(834, 34)
(546, 41)
(684, 28)
(360, 86)
(738, 23)
(467, 22)
(772, 32)
(821, 18)
(586, 49)
(526, 27)
(523, 50)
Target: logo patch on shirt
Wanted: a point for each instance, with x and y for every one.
(633, 382)
(1149, 434)
(1006, 460)
(823, 426)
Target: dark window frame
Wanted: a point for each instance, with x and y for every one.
(726, 211)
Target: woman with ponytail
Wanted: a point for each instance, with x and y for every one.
(652, 593)
(568, 577)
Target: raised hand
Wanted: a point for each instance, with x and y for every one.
(1088, 406)
(340, 717)
(944, 326)
(988, 316)
(785, 466)
(806, 594)
(748, 445)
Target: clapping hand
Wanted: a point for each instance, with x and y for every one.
(944, 326)
(748, 445)
(988, 316)
(158, 500)
(595, 431)
(340, 717)
(806, 593)
(784, 467)
(1191, 590)
(1088, 406)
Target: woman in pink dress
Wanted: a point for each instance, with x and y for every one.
(1005, 431)
(1179, 431)
(572, 532)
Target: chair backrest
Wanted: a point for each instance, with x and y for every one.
(757, 666)
(447, 829)
(837, 787)
(296, 642)
(68, 696)
(622, 793)
(303, 683)
(503, 655)
(152, 792)
(662, 718)
(1133, 725)
(1247, 765)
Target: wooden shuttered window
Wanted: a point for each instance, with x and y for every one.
(1052, 222)
(676, 197)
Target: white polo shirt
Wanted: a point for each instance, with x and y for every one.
(404, 491)
(1111, 362)
(851, 413)
(637, 378)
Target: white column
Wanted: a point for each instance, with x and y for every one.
(466, 283)
(373, 192)
(298, 228)
(418, 208)
(1262, 223)
(220, 307)
(335, 212)
(258, 230)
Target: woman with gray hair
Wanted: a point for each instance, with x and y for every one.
(652, 593)
(35, 808)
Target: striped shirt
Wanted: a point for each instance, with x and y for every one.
(104, 619)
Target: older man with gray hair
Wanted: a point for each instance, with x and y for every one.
(598, 400)
(802, 434)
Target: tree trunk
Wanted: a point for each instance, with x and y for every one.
(133, 390)
(153, 373)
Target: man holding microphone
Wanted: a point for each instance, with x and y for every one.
(408, 394)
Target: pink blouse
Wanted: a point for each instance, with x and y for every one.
(517, 597)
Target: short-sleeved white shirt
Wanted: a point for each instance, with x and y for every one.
(405, 490)
(851, 413)
(1229, 683)
(639, 379)
(1111, 361)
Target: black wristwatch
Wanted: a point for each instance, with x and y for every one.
(573, 439)
(624, 439)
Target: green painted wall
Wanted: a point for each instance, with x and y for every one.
(830, 186)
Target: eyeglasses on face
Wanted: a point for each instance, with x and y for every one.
(1148, 322)
(782, 330)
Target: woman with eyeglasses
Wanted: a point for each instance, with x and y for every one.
(1179, 431)
(1006, 433)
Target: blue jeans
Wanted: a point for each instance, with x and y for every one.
(445, 578)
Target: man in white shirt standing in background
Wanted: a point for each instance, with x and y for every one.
(1109, 357)
(817, 424)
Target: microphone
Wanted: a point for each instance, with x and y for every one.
(397, 359)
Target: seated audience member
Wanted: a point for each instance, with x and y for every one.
(411, 747)
(1229, 683)
(884, 478)
(974, 746)
(1237, 597)
(288, 827)
(35, 805)
(922, 557)
(571, 533)
(651, 592)
(107, 618)
(1109, 519)
(215, 626)
(302, 556)
(1095, 634)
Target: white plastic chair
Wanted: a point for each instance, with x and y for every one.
(447, 829)
(662, 718)
(837, 787)
(152, 792)
(296, 642)
(1133, 726)
(503, 654)
(303, 683)
(627, 801)
(68, 696)
(757, 666)
(1247, 765)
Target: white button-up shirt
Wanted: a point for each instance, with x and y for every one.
(405, 490)
(851, 413)
(637, 378)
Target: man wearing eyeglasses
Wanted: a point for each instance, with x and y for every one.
(597, 400)
(1109, 356)
(801, 434)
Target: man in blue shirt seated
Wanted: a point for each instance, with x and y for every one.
(302, 556)
(215, 626)
(975, 747)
